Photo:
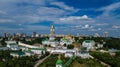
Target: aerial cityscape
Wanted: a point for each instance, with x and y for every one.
(59, 33)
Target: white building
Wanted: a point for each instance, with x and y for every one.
(12, 45)
(29, 53)
(21, 54)
(27, 45)
(38, 50)
(83, 54)
(99, 45)
(23, 48)
(51, 41)
(69, 54)
(68, 39)
(89, 44)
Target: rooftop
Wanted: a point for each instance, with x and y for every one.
(19, 53)
(88, 41)
(37, 48)
(59, 62)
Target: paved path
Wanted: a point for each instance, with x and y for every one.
(103, 63)
(41, 60)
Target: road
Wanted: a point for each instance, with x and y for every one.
(103, 63)
(41, 60)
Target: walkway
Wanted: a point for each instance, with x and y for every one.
(69, 61)
(103, 63)
(41, 60)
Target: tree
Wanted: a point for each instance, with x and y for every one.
(70, 47)
(65, 45)
(3, 42)
(2, 64)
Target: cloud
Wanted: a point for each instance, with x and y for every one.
(72, 18)
(2, 12)
(110, 7)
(116, 26)
(10, 29)
(108, 13)
(94, 29)
(50, 11)
(33, 11)
(34, 27)
(109, 17)
(103, 24)
(76, 20)
(6, 20)
(82, 27)
(63, 6)
(22, 13)
(86, 26)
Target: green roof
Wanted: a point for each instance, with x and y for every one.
(19, 53)
(45, 39)
(28, 51)
(88, 41)
(13, 44)
(59, 62)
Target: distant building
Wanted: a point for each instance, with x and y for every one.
(44, 35)
(99, 45)
(17, 35)
(96, 35)
(23, 35)
(78, 34)
(105, 34)
(88, 44)
(59, 35)
(35, 34)
(7, 34)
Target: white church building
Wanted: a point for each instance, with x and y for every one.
(51, 41)
(88, 44)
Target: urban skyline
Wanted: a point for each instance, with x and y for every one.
(69, 17)
(35, 34)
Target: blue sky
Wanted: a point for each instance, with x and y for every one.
(68, 16)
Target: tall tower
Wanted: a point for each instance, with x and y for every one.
(52, 32)
(105, 34)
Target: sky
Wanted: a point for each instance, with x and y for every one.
(68, 16)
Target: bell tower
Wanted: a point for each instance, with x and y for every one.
(52, 32)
